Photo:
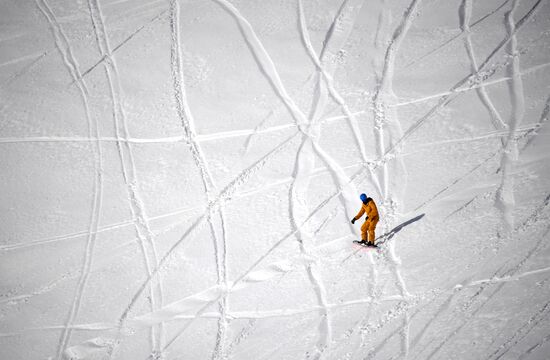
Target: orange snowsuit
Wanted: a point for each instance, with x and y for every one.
(370, 223)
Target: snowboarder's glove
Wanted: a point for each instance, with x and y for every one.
(353, 221)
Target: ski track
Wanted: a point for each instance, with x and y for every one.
(199, 138)
(442, 308)
(122, 43)
(305, 159)
(364, 323)
(261, 127)
(543, 118)
(325, 221)
(404, 341)
(183, 108)
(509, 275)
(534, 347)
(325, 337)
(460, 35)
(224, 195)
(243, 335)
(458, 286)
(54, 239)
(346, 11)
(435, 196)
(269, 70)
(176, 212)
(468, 317)
(25, 69)
(480, 85)
(224, 305)
(113, 226)
(309, 132)
(384, 94)
(142, 10)
(292, 233)
(326, 65)
(252, 316)
(74, 273)
(266, 274)
(207, 297)
(453, 292)
(293, 312)
(63, 45)
(375, 275)
(264, 61)
(143, 230)
(298, 209)
(187, 120)
(505, 200)
(56, 328)
(18, 59)
(189, 323)
(221, 269)
(465, 14)
(446, 99)
(511, 31)
(248, 274)
(446, 304)
(456, 181)
(508, 278)
(466, 204)
(402, 309)
(528, 130)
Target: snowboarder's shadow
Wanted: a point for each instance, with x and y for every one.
(390, 234)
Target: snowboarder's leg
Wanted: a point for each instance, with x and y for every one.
(371, 228)
(364, 230)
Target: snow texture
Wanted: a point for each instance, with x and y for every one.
(178, 179)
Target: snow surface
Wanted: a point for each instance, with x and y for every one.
(178, 179)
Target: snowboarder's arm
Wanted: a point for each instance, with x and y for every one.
(359, 214)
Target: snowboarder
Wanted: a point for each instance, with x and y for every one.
(367, 229)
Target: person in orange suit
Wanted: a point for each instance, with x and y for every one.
(367, 229)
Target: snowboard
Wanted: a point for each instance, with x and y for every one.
(365, 245)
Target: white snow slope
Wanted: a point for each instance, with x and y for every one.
(178, 178)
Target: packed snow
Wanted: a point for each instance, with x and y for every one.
(178, 179)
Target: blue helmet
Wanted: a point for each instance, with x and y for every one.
(363, 197)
